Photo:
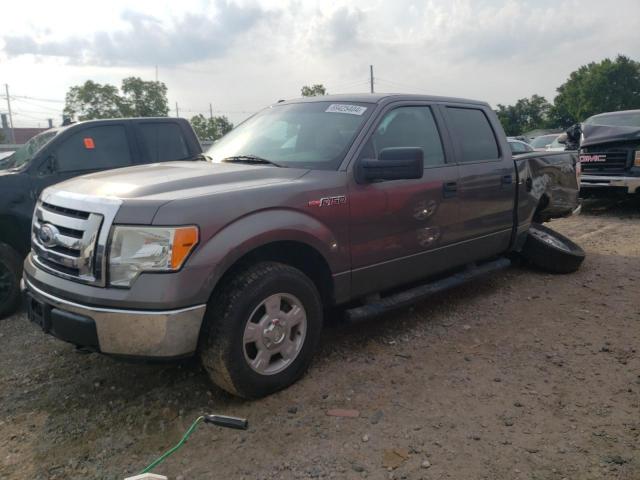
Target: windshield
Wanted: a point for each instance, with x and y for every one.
(26, 152)
(312, 135)
(543, 141)
(627, 119)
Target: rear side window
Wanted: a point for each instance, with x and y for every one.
(95, 148)
(473, 133)
(163, 141)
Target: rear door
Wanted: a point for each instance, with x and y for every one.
(399, 228)
(486, 185)
(162, 141)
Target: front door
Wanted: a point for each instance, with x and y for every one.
(396, 227)
(88, 150)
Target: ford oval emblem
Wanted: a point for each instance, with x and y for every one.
(48, 235)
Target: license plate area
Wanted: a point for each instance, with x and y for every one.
(39, 313)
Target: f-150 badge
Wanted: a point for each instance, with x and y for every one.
(328, 201)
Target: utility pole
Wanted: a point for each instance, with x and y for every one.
(50, 122)
(177, 111)
(371, 76)
(210, 111)
(156, 73)
(13, 135)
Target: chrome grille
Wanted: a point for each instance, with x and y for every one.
(64, 241)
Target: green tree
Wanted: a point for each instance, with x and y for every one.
(93, 100)
(527, 114)
(144, 98)
(139, 98)
(314, 90)
(210, 129)
(606, 86)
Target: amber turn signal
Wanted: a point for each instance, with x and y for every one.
(184, 241)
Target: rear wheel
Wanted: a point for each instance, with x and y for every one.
(10, 273)
(550, 251)
(261, 330)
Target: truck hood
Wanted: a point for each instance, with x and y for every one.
(598, 134)
(175, 180)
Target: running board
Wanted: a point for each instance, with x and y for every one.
(415, 294)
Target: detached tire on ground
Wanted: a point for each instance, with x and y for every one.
(550, 251)
(10, 273)
(260, 330)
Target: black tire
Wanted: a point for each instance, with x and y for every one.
(10, 274)
(550, 251)
(222, 348)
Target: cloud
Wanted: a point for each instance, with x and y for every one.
(509, 30)
(342, 28)
(148, 41)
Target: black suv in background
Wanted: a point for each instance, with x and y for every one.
(62, 153)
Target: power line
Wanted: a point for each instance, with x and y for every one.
(38, 99)
(29, 102)
(26, 115)
(347, 85)
(400, 84)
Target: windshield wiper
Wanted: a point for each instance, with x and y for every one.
(251, 159)
(199, 156)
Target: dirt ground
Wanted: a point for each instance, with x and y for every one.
(522, 375)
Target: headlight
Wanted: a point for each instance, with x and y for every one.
(148, 249)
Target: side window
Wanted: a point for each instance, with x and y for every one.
(408, 127)
(163, 141)
(94, 149)
(517, 147)
(471, 130)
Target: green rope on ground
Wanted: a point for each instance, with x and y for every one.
(177, 447)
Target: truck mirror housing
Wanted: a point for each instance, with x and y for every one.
(49, 166)
(399, 163)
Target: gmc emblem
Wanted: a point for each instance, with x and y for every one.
(593, 158)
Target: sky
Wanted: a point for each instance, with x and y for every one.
(243, 55)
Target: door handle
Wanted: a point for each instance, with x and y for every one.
(507, 179)
(529, 184)
(449, 189)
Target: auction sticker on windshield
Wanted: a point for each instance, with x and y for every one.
(350, 109)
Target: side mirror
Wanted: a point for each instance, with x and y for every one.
(400, 163)
(49, 166)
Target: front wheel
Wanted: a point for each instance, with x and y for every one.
(261, 330)
(550, 251)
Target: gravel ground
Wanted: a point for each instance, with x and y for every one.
(522, 375)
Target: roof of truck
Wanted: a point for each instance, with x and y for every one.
(380, 97)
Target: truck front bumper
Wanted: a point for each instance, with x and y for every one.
(128, 333)
(630, 184)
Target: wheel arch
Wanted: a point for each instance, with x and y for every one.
(285, 236)
(12, 234)
(294, 253)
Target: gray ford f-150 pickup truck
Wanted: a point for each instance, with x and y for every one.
(311, 203)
